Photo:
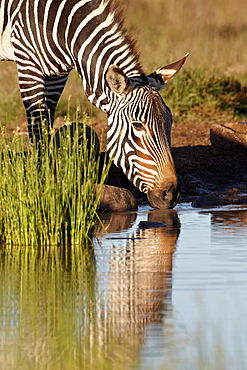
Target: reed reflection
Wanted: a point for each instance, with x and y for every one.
(45, 300)
(114, 222)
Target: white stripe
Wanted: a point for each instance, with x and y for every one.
(35, 96)
(46, 29)
(99, 42)
(32, 88)
(16, 11)
(70, 17)
(101, 56)
(44, 57)
(116, 132)
(29, 50)
(145, 163)
(29, 20)
(84, 22)
(55, 30)
(29, 68)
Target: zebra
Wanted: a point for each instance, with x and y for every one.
(49, 38)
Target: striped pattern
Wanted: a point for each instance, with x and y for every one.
(50, 37)
(139, 145)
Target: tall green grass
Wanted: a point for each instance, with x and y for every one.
(47, 196)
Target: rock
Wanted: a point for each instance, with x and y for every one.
(115, 199)
(229, 136)
(231, 196)
(116, 177)
(150, 224)
(210, 200)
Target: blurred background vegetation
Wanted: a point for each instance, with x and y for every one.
(212, 84)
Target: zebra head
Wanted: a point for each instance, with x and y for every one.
(139, 132)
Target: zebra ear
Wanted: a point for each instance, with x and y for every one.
(161, 76)
(117, 80)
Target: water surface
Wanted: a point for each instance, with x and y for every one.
(155, 290)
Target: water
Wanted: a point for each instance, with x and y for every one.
(156, 290)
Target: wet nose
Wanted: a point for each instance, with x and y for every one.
(164, 198)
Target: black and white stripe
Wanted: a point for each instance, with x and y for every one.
(48, 38)
(137, 146)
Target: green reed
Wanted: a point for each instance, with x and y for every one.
(47, 194)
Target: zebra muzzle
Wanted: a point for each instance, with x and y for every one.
(164, 198)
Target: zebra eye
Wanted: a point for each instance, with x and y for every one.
(138, 125)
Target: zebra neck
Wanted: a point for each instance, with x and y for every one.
(94, 81)
(98, 42)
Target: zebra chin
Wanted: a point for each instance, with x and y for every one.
(164, 198)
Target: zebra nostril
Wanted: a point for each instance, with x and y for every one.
(165, 198)
(163, 194)
(167, 192)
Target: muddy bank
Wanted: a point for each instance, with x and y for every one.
(205, 169)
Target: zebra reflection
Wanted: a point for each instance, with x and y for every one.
(140, 276)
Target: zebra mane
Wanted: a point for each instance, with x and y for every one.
(118, 10)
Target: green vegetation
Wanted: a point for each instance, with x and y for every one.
(201, 94)
(47, 196)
